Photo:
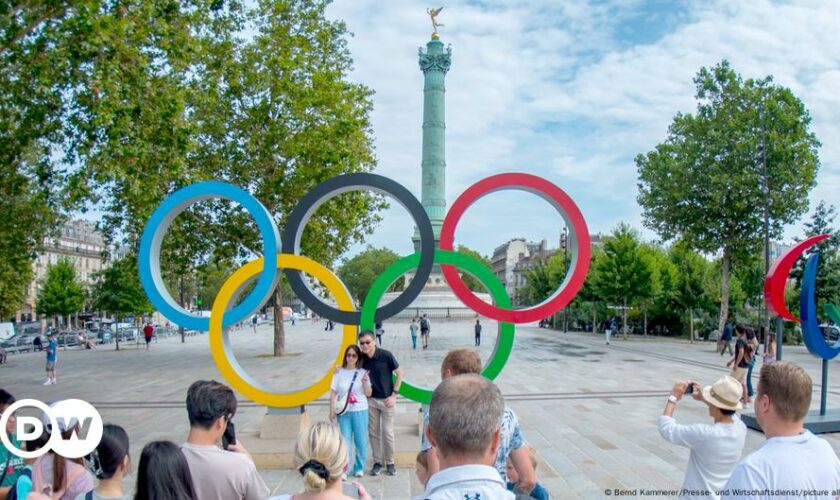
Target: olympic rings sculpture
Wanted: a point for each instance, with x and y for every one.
(285, 255)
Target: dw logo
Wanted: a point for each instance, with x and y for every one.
(75, 418)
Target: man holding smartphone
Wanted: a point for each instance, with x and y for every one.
(223, 472)
(716, 447)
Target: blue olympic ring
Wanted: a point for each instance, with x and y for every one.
(158, 224)
(811, 333)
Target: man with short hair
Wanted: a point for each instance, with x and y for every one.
(716, 447)
(425, 328)
(464, 418)
(792, 459)
(217, 473)
(52, 357)
(512, 440)
(477, 333)
(148, 333)
(381, 366)
(725, 341)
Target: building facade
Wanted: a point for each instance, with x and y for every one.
(81, 243)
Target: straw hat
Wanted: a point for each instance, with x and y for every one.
(725, 394)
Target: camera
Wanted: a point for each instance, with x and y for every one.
(690, 388)
(229, 437)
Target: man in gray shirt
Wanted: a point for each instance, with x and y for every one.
(218, 473)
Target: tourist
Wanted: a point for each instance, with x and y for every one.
(477, 333)
(148, 333)
(421, 468)
(3, 355)
(52, 356)
(425, 328)
(464, 417)
(538, 492)
(770, 352)
(293, 318)
(349, 392)
(37, 343)
(54, 475)
(110, 463)
(741, 360)
(11, 464)
(379, 331)
(321, 458)
(381, 366)
(412, 329)
(164, 474)
(715, 447)
(512, 440)
(753, 343)
(792, 459)
(254, 321)
(217, 473)
(725, 341)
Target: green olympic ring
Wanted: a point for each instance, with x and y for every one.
(504, 342)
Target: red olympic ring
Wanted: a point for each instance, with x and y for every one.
(574, 220)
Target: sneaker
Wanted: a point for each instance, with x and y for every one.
(54, 382)
(48, 382)
(377, 468)
(358, 474)
(391, 470)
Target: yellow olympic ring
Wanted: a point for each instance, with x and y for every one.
(223, 354)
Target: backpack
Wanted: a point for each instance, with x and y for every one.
(424, 324)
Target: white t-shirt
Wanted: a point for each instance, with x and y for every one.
(801, 466)
(715, 450)
(341, 383)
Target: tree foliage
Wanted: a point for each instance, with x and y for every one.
(360, 271)
(624, 275)
(828, 275)
(119, 291)
(472, 283)
(144, 97)
(704, 184)
(61, 293)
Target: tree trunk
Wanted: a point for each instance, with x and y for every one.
(624, 320)
(181, 299)
(279, 330)
(117, 334)
(594, 317)
(645, 328)
(724, 290)
(690, 327)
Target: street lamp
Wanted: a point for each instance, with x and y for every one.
(564, 241)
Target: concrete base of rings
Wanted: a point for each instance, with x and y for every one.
(272, 446)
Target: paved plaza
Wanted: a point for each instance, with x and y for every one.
(589, 409)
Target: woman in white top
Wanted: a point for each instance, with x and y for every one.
(321, 458)
(349, 391)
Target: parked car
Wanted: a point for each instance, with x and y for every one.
(104, 337)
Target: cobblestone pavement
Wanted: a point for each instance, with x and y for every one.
(589, 409)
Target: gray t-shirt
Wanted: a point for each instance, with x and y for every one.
(97, 496)
(223, 475)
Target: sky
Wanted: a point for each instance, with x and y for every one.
(572, 91)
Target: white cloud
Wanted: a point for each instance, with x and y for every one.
(573, 91)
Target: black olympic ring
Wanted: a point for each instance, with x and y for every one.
(341, 184)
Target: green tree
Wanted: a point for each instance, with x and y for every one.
(689, 291)
(623, 274)
(828, 275)
(542, 279)
(61, 294)
(119, 292)
(144, 97)
(705, 183)
(472, 283)
(360, 271)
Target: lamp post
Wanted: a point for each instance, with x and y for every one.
(565, 242)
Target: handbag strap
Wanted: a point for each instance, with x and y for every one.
(347, 399)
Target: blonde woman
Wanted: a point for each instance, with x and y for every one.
(321, 458)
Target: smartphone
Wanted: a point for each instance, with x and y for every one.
(229, 437)
(348, 489)
(689, 389)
